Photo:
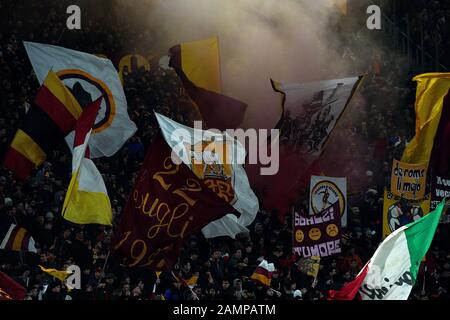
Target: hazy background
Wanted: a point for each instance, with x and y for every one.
(287, 40)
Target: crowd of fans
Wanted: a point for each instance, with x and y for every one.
(379, 124)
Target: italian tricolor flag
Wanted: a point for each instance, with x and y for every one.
(392, 271)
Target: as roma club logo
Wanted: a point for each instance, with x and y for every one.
(208, 161)
(324, 194)
(86, 89)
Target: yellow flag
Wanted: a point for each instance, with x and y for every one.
(314, 267)
(61, 275)
(431, 91)
(200, 62)
(192, 281)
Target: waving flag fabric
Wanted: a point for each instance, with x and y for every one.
(166, 206)
(197, 65)
(224, 175)
(51, 117)
(88, 77)
(10, 289)
(431, 98)
(87, 200)
(264, 273)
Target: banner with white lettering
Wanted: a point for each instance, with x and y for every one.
(318, 235)
(409, 180)
(440, 189)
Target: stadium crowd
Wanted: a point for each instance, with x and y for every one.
(380, 123)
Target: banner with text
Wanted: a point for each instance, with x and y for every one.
(167, 204)
(318, 235)
(408, 180)
(440, 189)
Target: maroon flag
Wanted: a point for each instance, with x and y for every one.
(10, 289)
(168, 204)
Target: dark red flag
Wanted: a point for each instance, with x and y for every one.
(10, 289)
(350, 289)
(168, 204)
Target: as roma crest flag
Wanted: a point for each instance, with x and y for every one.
(167, 204)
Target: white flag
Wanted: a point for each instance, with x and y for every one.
(88, 77)
(325, 192)
(311, 111)
(226, 178)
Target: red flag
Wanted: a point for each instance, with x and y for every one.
(51, 117)
(10, 289)
(349, 291)
(168, 204)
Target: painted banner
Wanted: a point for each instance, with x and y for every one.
(409, 180)
(310, 266)
(318, 235)
(222, 172)
(440, 189)
(398, 212)
(324, 192)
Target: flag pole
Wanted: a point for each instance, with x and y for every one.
(104, 266)
(314, 284)
(192, 291)
(276, 291)
(424, 277)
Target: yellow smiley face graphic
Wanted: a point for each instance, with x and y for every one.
(332, 230)
(299, 236)
(315, 234)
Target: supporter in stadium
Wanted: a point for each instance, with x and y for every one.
(223, 265)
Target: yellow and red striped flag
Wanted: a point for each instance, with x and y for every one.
(16, 238)
(87, 200)
(263, 273)
(51, 117)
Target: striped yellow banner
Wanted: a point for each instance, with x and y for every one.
(17, 244)
(63, 94)
(26, 146)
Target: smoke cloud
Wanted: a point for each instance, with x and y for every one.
(287, 40)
